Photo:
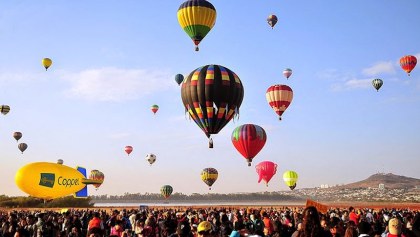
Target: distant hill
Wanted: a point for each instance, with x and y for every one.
(390, 181)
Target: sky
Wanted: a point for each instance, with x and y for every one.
(113, 59)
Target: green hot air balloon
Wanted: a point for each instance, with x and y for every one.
(166, 191)
(212, 95)
(290, 178)
(377, 83)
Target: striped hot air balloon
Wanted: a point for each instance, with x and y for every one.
(97, 175)
(249, 139)
(272, 20)
(377, 83)
(290, 178)
(154, 108)
(408, 63)
(166, 191)
(266, 170)
(209, 176)
(212, 95)
(4, 109)
(287, 73)
(197, 18)
(279, 98)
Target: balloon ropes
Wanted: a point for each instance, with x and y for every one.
(197, 18)
(249, 139)
(212, 96)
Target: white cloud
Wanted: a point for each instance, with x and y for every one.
(380, 68)
(116, 84)
(358, 83)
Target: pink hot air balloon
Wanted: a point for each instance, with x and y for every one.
(266, 170)
(128, 149)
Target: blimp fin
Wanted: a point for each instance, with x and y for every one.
(83, 193)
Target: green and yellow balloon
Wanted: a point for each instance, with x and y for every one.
(209, 176)
(290, 178)
(197, 18)
(166, 191)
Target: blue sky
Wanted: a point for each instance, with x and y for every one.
(113, 59)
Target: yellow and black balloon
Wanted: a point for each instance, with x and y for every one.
(197, 18)
(209, 176)
(46, 62)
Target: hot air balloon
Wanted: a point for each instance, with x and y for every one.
(22, 147)
(377, 83)
(279, 98)
(408, 63)
(166, 191)
(151, 158)
(4, 109)
(154, 108)
(128, 149)
(249, 139)
(60, 161)
(197, 18)
(179, 78)
(287, 72)
(290, 178)
(266, 170)
(17, 135)
(46, 62)
(212, 95)
(209, 176)
(97, 175)
(272, 20)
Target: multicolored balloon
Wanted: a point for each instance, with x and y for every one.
(179, 78)
(154, 108)
(272, 20)
(408, 63)
(209, 176)
(17, 136)
(212, 95)
(279, 98)
(287, 72)
(249, 139)
(166, 191)
(197, 18)
(377, 83)
(151, 158)
(97, 175)
(128, 149)
(46, 62)
(4, 109)
(266, 170)
(290, 178)
(22, 147)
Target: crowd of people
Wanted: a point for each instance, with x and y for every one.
(212, 222)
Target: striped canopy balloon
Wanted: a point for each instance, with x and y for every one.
(212, 95)
(408, 63)
(287, 73)
(154, 108)
(166, 190)
(197, 18)
(279, 98)
(290, 178)
(98, 178)
(249, 139)
(377, 83)
(209, 176)
(4, 109)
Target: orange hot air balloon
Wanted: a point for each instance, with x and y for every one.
(128, 149)
(97, 176)
(279, 98)
(408, 63)
(266, 170)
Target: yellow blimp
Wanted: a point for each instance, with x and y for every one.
(51, 180)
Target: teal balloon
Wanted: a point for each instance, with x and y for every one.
(179, 78)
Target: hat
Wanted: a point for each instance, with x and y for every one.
(204, 226)
(183, 228)
(394, 226)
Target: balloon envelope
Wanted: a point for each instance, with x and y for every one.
(128, 149)
(166, 190)
(266, 170)
(179, 78)
(249, 139)
(17, 135)
(279, 98)
(154, 108)
(97, 175)
(212, 95)
(290, 178)
(408, 63)
(22, 147)
(287, 72)
(197, 18)
(272, 20)
(46, 62)
(209, 176)
(4, 109)
(377, 83)
(151, 158)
